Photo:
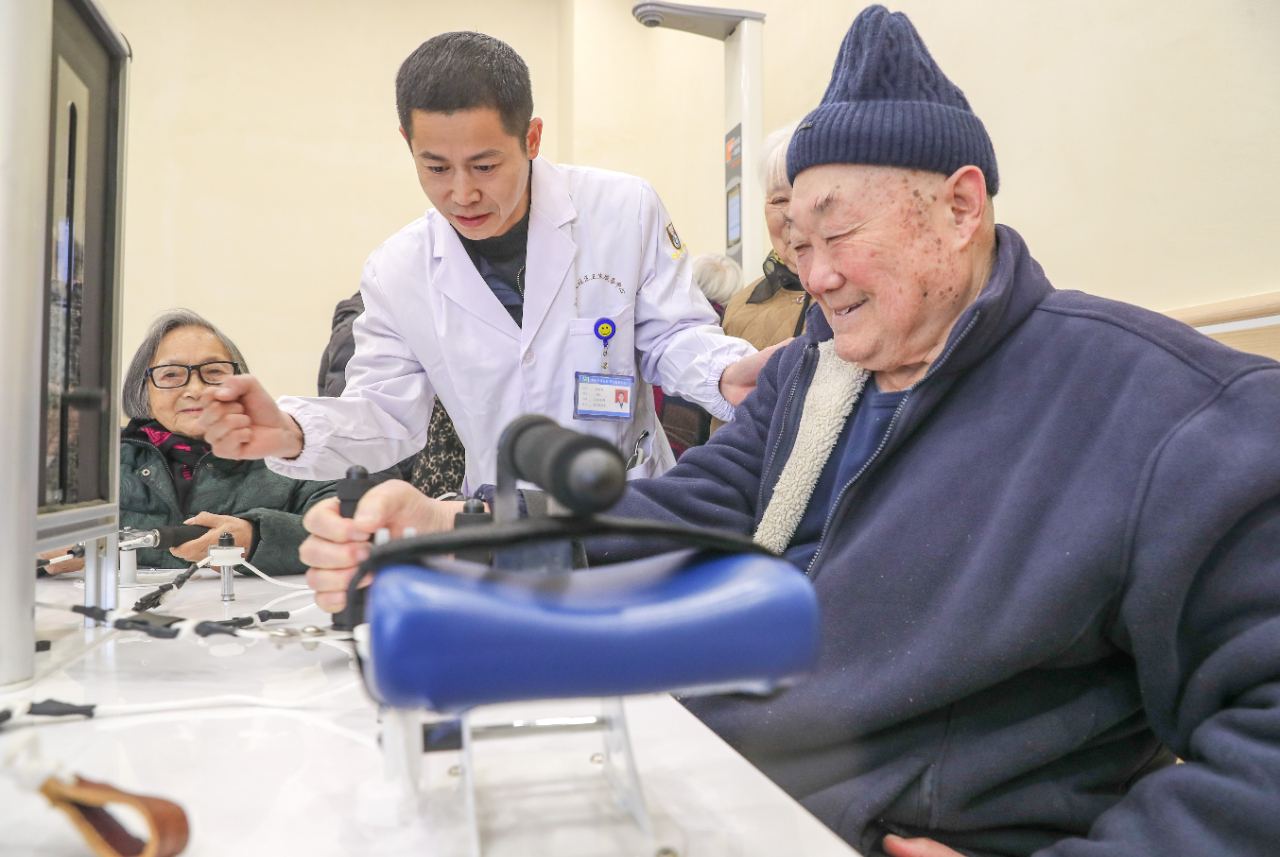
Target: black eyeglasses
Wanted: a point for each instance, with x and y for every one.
(171, 376)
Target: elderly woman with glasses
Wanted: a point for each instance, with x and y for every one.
(167, 474)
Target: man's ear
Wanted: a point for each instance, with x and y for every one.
(965, 190)
(407, 141)
(533, 139)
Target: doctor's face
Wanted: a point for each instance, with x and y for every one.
(472, 170)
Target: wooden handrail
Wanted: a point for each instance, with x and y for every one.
(1236, 309)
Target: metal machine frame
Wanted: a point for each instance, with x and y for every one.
(26, 60)
(742, 32)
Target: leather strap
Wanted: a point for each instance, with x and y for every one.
(85, 801)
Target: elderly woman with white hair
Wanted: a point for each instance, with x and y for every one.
(772, 309)
(168, 476)
(719, 278)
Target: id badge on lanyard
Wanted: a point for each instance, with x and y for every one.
(600, 395)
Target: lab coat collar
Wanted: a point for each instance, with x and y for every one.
(548, 259)
(457, 278)
(551, 193)
(551, 250)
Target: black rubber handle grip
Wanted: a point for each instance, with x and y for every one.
(473, 514)
(171, 537)
(585, 473)
(349, 491)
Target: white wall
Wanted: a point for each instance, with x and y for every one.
(1136, 138)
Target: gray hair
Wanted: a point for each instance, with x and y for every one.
(772, 166)
(719, 277)
(135, 401)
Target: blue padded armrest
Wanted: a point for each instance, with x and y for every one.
(452, 641)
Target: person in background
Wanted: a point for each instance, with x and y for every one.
(771, 310)
(719, 277)
(168, 476)
(685, 424)
(436, 470)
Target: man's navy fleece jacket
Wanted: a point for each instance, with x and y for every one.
(1064, 560)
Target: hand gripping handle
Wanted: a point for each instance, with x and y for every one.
(350, 490)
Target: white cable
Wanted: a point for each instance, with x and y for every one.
(285, 597)
(218, 702)
(246, 564)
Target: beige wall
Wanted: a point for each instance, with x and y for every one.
(1136, 139)
(264, 160)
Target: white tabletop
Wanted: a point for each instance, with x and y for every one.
(292, 781)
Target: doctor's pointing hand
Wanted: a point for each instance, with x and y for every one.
(528, 288)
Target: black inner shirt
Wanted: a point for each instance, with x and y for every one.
(501, 261)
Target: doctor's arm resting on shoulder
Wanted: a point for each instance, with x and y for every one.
(739, 378)
(682, 347)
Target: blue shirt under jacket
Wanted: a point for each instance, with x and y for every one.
(1062, 569)
(861, 436)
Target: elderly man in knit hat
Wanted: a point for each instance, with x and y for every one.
(1044, 527)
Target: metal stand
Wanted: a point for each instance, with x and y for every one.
(498, 786)
(101, 573)
(225, 556)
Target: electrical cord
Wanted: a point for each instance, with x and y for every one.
(285, 597)
(166, 591)
(269, 579)
(169, 628)
(21, 713)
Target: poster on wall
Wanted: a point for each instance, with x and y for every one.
(733, 193)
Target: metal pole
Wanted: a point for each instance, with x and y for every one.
(744, 105)
(26, 49)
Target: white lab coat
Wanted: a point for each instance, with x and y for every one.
(600, 246)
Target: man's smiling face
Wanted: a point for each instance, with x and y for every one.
(873, 248)
(474, 172)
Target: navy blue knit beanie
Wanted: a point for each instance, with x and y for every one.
(888, 104)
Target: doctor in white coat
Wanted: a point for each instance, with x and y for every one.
(604, 287)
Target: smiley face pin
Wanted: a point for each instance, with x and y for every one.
(605, 329)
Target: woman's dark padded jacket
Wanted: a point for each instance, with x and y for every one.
(1064, 560)
(274, 504)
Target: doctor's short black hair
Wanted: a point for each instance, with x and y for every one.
(465, 71)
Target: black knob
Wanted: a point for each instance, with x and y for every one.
(226, 540)
(585, 473)
(351, 489)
